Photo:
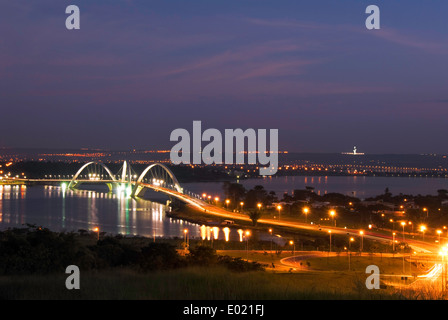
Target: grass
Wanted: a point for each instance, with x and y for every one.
(191, 284)
(386, 263)
(325, 278)
(359, 263)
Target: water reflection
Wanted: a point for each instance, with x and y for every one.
(12, 214)
(62, 209)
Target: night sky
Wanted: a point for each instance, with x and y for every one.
(136, 70)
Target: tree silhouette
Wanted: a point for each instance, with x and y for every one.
(235, 192)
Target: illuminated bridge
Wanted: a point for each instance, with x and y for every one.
(156, 176)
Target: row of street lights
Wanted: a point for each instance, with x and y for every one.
(279, 208)
(227, 202)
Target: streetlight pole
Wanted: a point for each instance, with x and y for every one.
(186, 238)
(332, 214)
(350, 252)
(403, 258)
(97, 230)
(305, 211)
(393, 242)
(422, 229)
(362, 239)
(279, 208)
(247, 244)
(294, 246)
(329, 231)
(403, 224)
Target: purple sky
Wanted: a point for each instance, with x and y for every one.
(136, 70)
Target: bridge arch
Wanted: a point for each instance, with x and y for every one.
(75, 177)
(176, 184)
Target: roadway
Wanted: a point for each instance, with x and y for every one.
(417, 245)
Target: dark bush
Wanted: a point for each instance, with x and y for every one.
(239, 265)
(36, 250)
(159, 256)
(202, 255)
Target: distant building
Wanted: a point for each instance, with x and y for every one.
(354, 153)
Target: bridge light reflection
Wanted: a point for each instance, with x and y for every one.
(208, 233)
(240, 232)
(203, 230)
(215, 233)
(129, 191)
(226, 231)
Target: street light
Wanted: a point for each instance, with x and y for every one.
(393, 225)
(227, 203)
(305, 211)
(403, 224)
(423, 229)
(427, 211)
(97, 230)
(186, 238)
(259, 206)
(332, 214)
(292, 244)
(439, 232)
(279, 208)
(329, 231)
(241, 204)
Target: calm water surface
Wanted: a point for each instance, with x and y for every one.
(60, 210)
(66, 210)
(358, 186)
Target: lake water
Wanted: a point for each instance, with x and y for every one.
(359, 186)
(58, 209)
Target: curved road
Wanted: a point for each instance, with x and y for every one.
(417, 245)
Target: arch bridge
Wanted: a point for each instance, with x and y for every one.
(156, 176)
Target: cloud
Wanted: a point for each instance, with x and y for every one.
(389, 34)
(410, 41)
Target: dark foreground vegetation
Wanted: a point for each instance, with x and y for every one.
(37, 250)
(192, 283)
(33, 261)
